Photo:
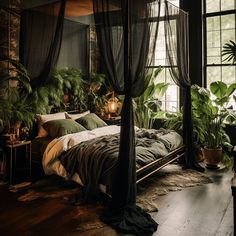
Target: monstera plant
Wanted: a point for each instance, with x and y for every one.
(211, 111)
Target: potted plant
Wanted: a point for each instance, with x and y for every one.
(15, 105)
(96, 92)
(69, 81)
(210, 111)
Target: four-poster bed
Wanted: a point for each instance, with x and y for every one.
(127, 40)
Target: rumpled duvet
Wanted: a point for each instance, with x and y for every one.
(89, 157)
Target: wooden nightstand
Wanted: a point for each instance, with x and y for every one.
(113, 120)
(13, 148)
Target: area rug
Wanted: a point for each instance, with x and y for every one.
(170, 178)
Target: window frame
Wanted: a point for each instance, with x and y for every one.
(206, 16)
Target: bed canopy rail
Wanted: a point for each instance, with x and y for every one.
(127, 42)
(127, 32)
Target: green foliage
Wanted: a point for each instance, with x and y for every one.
(95, 99)
(212, 113)
(15, 105)
(69, 81)
(229, 51)
(147, 107)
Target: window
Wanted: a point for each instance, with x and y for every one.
(219, 24)
(170, 102)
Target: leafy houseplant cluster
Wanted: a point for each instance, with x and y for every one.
(21, 102)
(147, 107)
(210, 114)
(210, 108)
(15, 105)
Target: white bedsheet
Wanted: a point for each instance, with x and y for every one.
(51, 163)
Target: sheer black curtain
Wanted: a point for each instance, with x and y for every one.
(126, 37)
(177, 48)
(40, 39)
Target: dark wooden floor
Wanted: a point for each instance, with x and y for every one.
(197, 211)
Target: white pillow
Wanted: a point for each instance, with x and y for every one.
(76, 116)
(41, 119)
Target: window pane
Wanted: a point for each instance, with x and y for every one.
(171, 102)
(213, 74)
(212, 5)
(213, 47)
(174, 2)
(213, 23)
(213, 38)
(168, 77)
(228, 21)
(161, 77)
(228, 74)
(227, 5)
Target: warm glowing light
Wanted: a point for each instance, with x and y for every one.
(112, 106)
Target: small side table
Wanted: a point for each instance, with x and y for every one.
(113, 120)
(13, 153)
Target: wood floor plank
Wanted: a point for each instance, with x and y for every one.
(205, 210)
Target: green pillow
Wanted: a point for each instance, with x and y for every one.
(57, 128)
(91, 121)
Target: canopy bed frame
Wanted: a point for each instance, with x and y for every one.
(127, 36)
(152, 168)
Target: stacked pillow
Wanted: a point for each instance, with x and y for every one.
(41, 119)
(91, 121)
(62, 123)
(58, 128)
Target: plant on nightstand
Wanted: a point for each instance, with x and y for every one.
(15, 106)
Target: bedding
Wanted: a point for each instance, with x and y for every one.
(91, 121)
(57, 128)
(41, 119)
(77, 115)
(89, 157)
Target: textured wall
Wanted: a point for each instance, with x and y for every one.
(9, 34)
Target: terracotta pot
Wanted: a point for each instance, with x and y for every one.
(212, 157)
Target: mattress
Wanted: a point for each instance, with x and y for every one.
(167, 141)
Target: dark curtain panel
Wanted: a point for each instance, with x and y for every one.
(74, 50)
(40, 39)
(127, 37)
(177, 48)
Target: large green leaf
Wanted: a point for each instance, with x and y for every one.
(231, 89)
(218, 88)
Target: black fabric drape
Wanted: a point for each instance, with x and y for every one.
(74, 50)
(127, 37)
(40, 39)
(177, 48)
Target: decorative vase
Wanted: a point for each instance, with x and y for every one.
(212, 156)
